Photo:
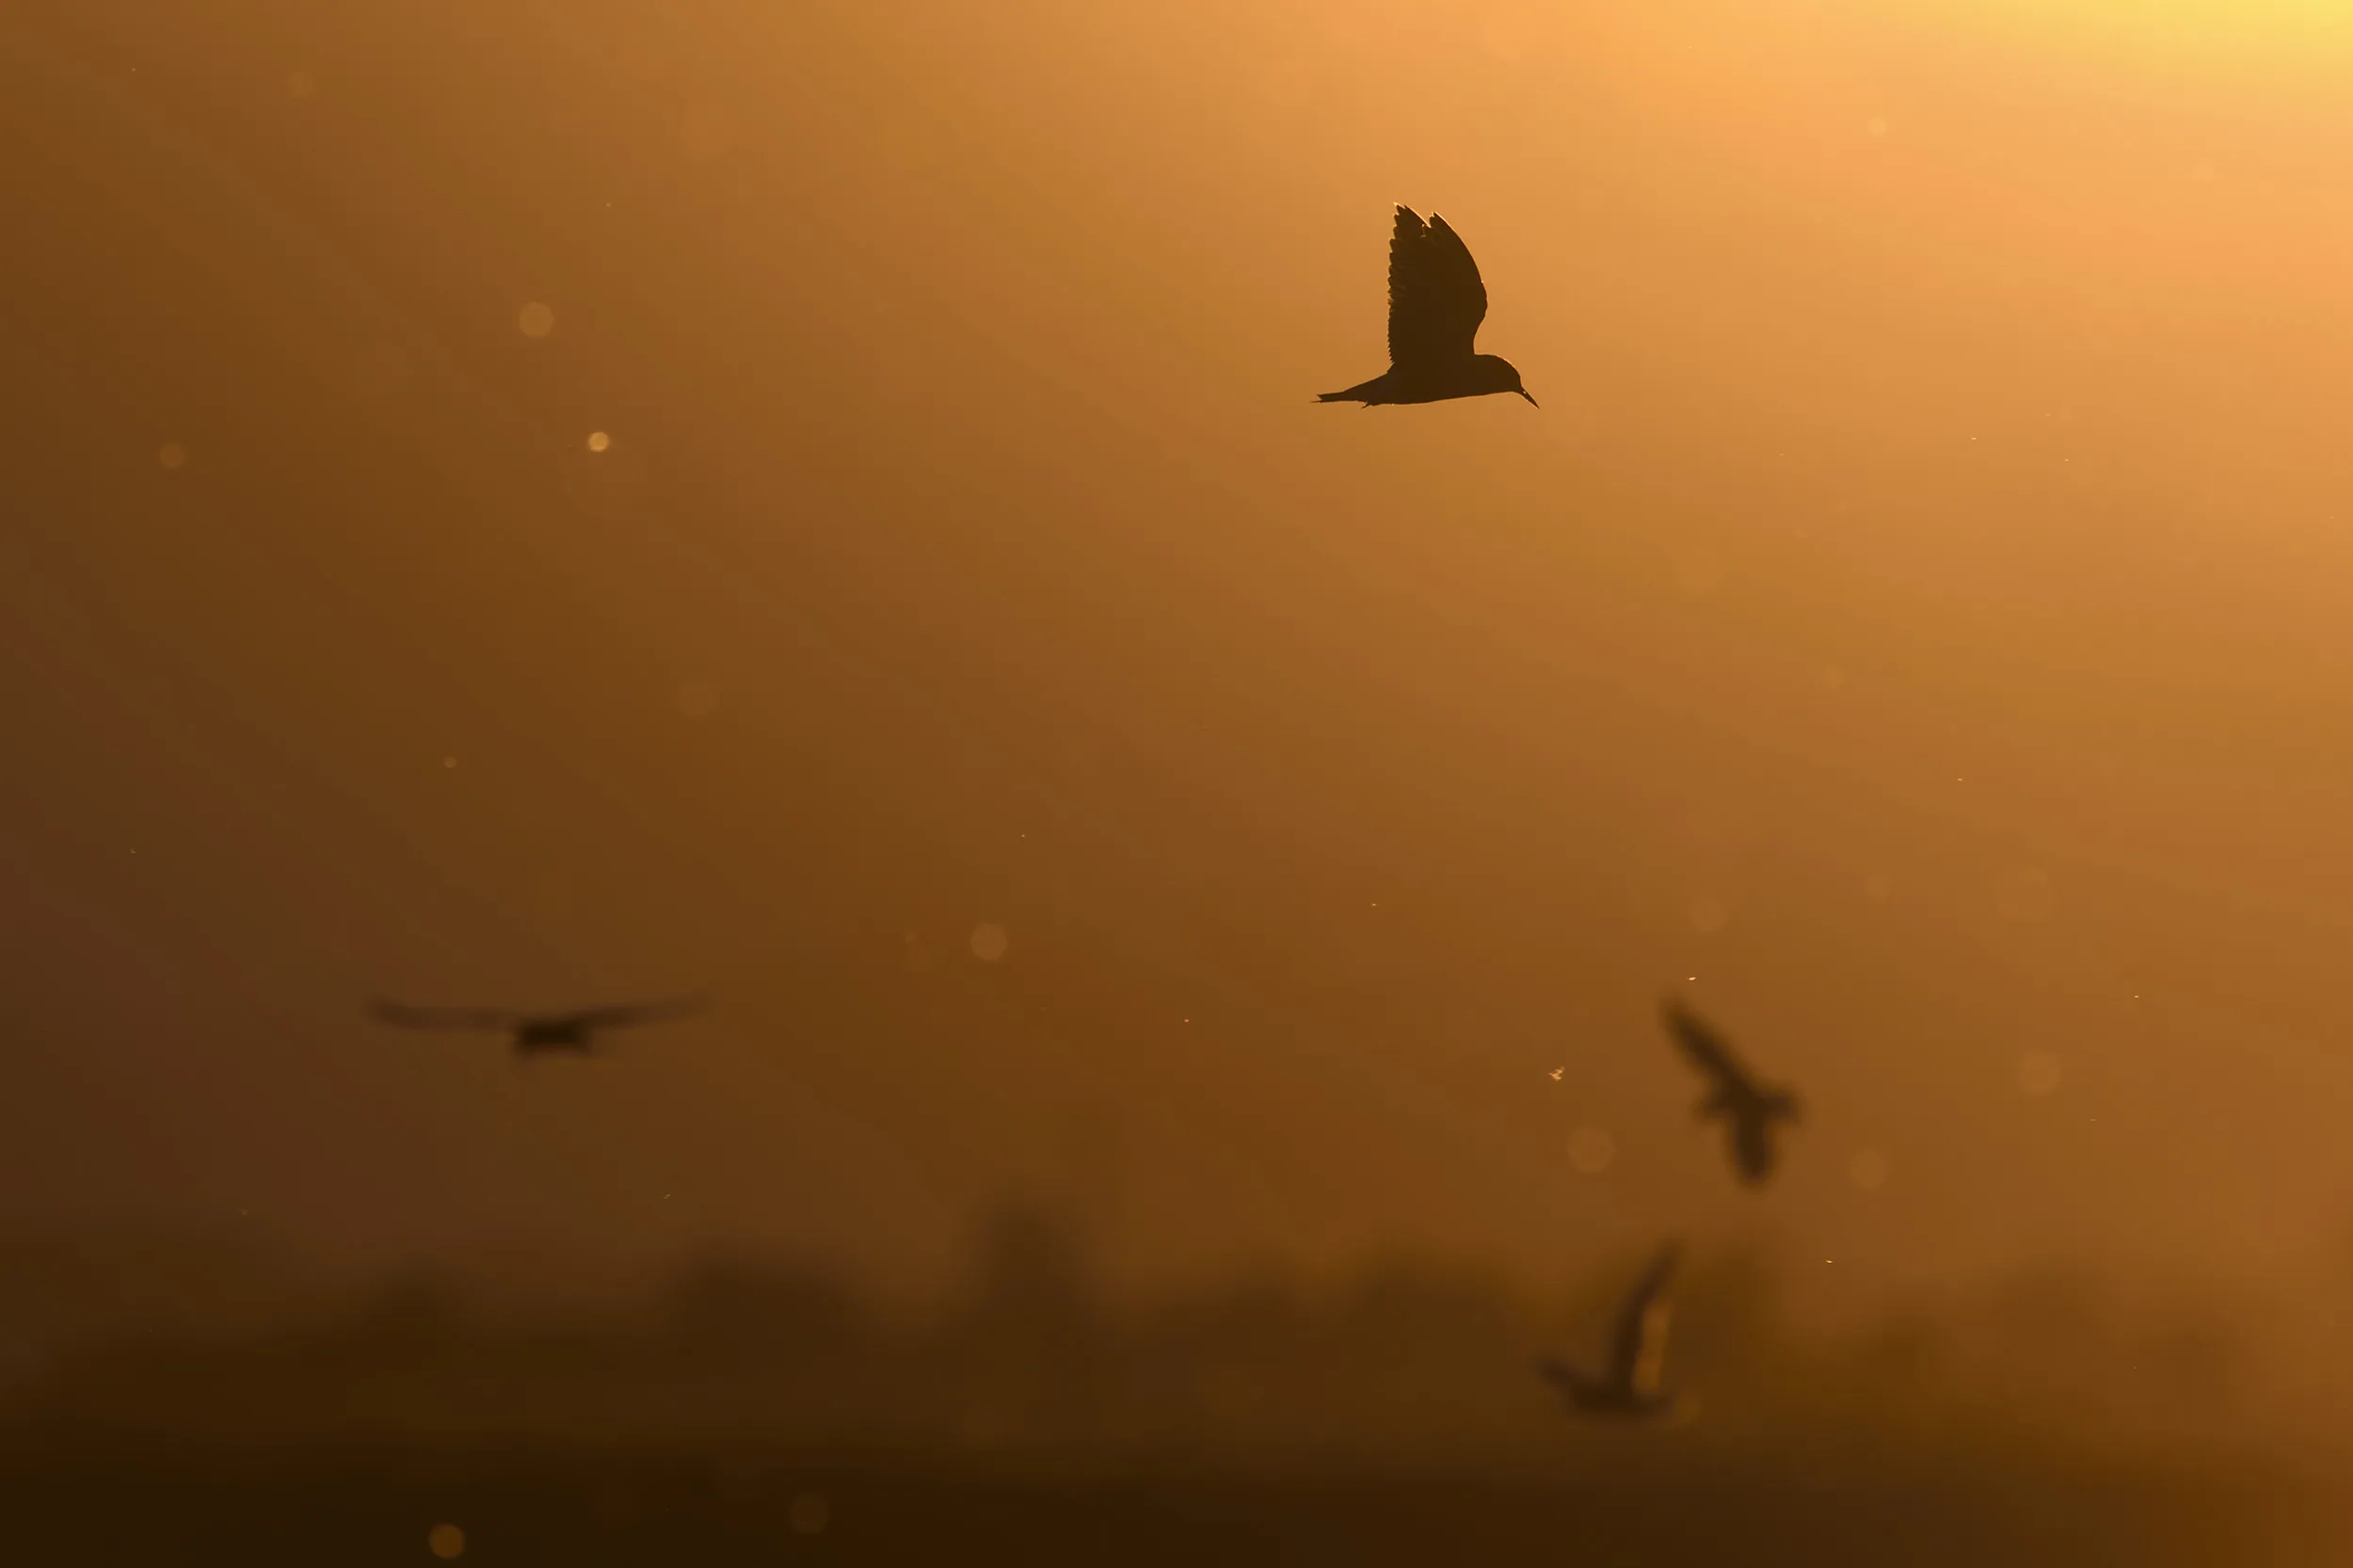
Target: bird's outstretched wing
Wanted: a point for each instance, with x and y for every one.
(1639, 1352)
(1436, 300)
(627, 1013)
(1705, 1048)
(405, 1016)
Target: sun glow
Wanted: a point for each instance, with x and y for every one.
(2269, 33)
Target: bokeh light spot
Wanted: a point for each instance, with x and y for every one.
(599, 440)
(446, 1542)
(989, 942)
(536, 320)
(172, 456)
(1592, 1150)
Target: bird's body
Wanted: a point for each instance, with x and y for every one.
(1749, 1109)
(1436, 302)
(535, 1033)
(1484, 373)
(572, 1034)
(1630, 1387)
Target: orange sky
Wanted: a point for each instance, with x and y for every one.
(1918, 611)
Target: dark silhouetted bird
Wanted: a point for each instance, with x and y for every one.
(1749, 1109)
(1436, 303)
(1638, 1353)
(533, 1032)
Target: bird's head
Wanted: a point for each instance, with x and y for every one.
(1498, 374)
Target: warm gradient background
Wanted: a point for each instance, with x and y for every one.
(1921, 612)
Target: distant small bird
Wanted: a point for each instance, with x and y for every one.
(533, 1032)
(1749, 1109)
(1638, 1353)
(1436, 302)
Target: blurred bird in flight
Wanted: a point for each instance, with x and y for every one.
(533, 1032)
(1630, 1385)
(1748, 1108)
(1436, 303)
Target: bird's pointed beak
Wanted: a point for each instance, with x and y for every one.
(1524, 392)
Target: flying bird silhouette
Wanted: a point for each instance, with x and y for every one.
(1436, 303)
(1638, 1353)
(1748, 1108)
(535, 1032)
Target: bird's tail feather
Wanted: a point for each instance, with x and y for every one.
(1365, 392)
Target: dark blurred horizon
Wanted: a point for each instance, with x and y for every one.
(1035, 1352)
(1033, 1415)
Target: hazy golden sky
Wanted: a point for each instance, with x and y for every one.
(1919, 611)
